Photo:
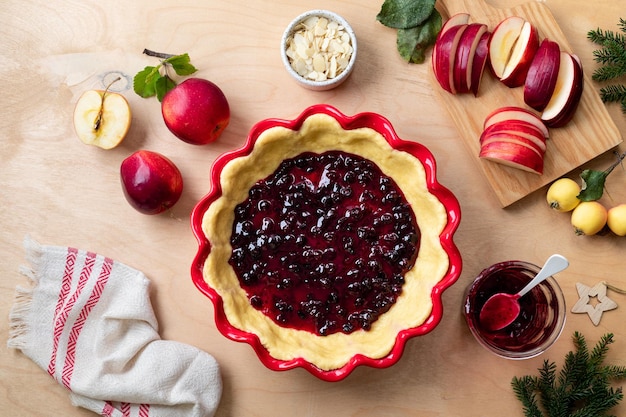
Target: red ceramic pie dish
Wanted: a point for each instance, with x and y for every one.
(452, 210)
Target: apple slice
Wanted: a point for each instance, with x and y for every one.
(506, 137)
(481, 56)
(513, 155)
(457, 19)
(102, 118)
(520, 126)
(521, 57)
(502, 42)
(542, 74)
(516, 128)
(515, 113)
(444, 53)
(464, 58)
(567, 92)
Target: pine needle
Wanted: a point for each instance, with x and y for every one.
(581, 389)
(612, 58)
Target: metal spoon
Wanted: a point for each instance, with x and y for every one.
(502, 309)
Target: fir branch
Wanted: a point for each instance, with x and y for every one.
(607, 37)
(524, 389)
(612, 58)
(609, 71)
(615, 93)
(581, 389)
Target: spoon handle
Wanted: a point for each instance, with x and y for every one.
(555, 263)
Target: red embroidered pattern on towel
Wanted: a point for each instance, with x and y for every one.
(59, 320)
(125, 408)
(66, 303)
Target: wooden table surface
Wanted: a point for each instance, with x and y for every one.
(62, 192)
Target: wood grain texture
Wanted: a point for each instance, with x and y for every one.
(591, 132)
(62, 192)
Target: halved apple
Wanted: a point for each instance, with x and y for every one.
(444, 52)
(464, 56)
(567, 92)
(542, 74)
(481, 57)
(102, 118)
(513, 155)
(515, 113)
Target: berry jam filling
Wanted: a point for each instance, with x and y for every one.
(323, 243)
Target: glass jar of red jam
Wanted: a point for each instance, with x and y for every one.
(541, 318)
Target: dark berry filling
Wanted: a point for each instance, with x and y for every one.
(323, 243)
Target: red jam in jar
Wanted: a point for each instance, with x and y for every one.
(541, 318)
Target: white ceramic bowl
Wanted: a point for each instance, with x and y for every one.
(331, 81)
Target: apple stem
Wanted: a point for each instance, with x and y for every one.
(620, 158)
(98, 121)
(157, 54)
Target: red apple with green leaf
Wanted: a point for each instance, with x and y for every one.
(151, 182)
(196, 111)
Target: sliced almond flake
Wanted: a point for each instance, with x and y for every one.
(333, 67)
(319, 49)
(325, 43)
(302, 51)
(319, 63)
(320, 27)
(300, 67)
(342, 62)
(310, 22)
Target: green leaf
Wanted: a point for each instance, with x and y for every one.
(405, 14)
(593, 185)
(414, 42)
(181, 64)
(163, 85)
(144, 82)
(593, 181)
(155, 80)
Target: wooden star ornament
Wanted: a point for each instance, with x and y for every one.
(583, 304)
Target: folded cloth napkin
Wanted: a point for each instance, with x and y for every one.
(88, 322)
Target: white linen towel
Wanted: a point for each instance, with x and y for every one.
(88, 321)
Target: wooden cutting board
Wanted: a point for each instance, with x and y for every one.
(591, 133)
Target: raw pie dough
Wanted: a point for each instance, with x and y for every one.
(320, 133)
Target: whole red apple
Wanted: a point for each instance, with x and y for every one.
(151, 182)
(196, 111)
